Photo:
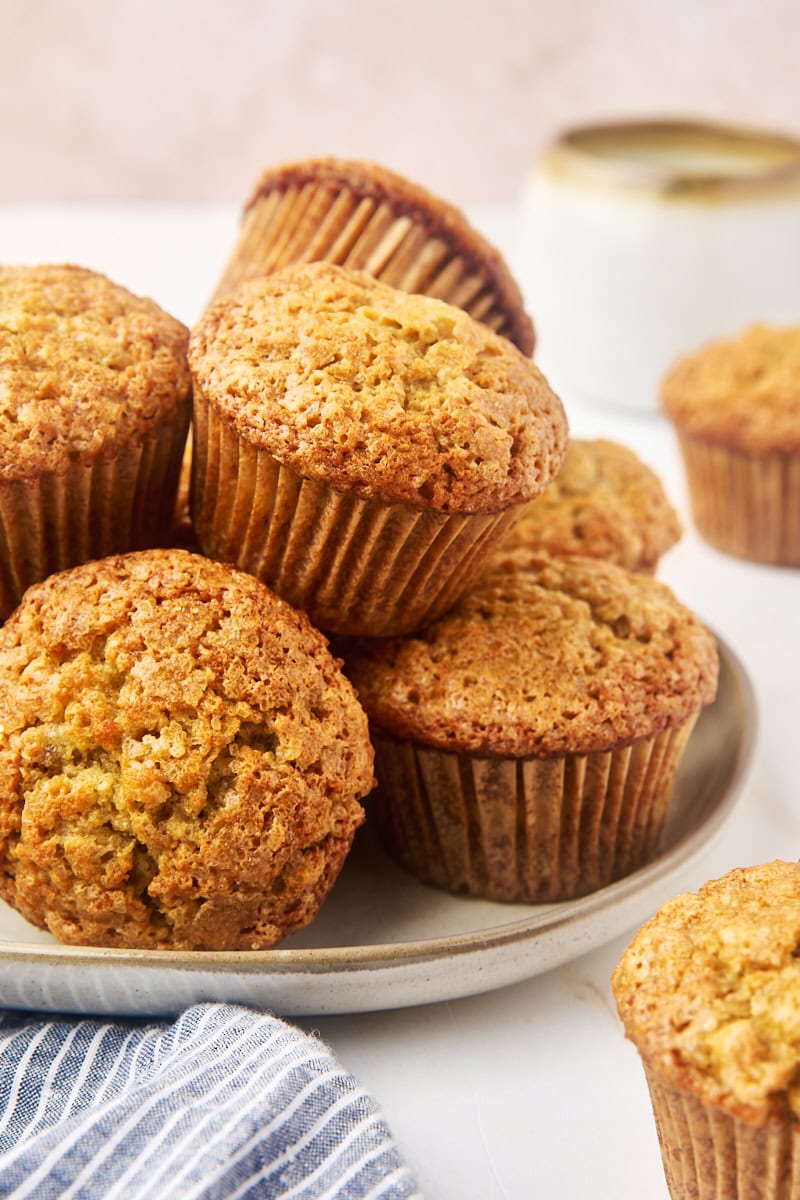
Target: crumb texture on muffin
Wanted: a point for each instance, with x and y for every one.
(393, 396)
(84, 366)
(180, 757)
(743, 393)
(542, 657)
(605, 503)
(709, 992)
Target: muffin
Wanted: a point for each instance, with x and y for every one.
(526, 742)
(735, 406)
(361, 449)
(95, 402)
(363, 216)
(603, 503)
(180, 757)
(709, 994)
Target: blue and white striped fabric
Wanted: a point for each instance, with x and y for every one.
(222, 1103)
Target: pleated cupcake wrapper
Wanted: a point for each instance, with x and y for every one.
(710, 1155)
(316, 222)
(88, 510)
(527, 829)
(181, 531)
(355, 566)
(745, 505)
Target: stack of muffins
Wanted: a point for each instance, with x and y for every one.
(374, 455)
(371, 444)
(363, 450)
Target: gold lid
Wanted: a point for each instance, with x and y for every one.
(678, 157)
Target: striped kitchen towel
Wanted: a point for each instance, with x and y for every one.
(222, 1103)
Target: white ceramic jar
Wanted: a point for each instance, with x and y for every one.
(641, 240)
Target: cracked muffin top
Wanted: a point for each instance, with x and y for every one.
(543, 657)
(743, 393)
(84, 366)
(180, 757)
(371, 187)
(394, 396)
(603, 503)
(709, 992)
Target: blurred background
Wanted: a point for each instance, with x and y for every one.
(170, 100)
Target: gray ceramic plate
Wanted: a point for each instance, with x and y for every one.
(382, 940)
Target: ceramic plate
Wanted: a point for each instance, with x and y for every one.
(382, 940)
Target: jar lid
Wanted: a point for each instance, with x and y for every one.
(676, 156)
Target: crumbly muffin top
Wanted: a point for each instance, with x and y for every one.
(709, 992)
(394, 396)
(543, 657)
(603, 503)
(743, 393)
(180, 757)
(84, 366)
(369, 180)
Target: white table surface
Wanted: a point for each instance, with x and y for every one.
(530, 1090)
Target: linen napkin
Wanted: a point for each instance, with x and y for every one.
(223, 1102)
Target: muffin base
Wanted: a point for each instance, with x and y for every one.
(711, 1155)
(356, 566)
(318, 220)
(88, 510)
(744, 505)
(524, 830)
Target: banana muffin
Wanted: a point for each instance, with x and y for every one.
(527, 742)
(180, 757)
(361, 449)
(735, 406)
(366, 217)
(709, 994)
(603, 503)
(94, 406)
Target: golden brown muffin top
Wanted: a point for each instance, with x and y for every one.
(743, 393)
(603, 503)
(84, 366)
(543, 657)
(394, 396)
(368, 180)
(709, 992)
(180, 757)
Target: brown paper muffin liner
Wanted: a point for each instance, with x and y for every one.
(182, 532)
(527, 829)
(321, 221)
(355, 566)
(745, 505)
(108, 505)
(711, 1155)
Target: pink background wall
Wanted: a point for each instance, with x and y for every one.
(171, 100)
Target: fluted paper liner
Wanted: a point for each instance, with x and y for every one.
(524, 829)
(745, 505)
(710, 1155)
(106, 505)
(316, 222)
(356, 566)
